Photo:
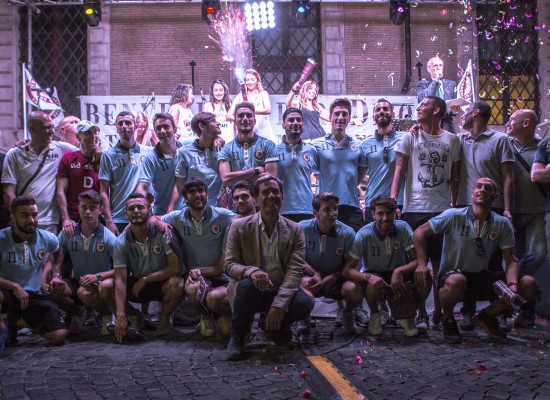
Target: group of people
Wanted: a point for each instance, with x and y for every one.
(237, 230)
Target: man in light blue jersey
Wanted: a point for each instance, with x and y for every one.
(328, 243)
(119, 172)
(471, 236)
(158, 166)
(90, 252)
(386, 247)
(146, 269)
(202, 229)
(25, 263)
(342, 164)
(296, 164)
(249, 155)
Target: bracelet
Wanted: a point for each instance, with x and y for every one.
(367, 276)
(144, 278)
(57, 275)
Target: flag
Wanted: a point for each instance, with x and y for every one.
(466, 85)
(37, 97)
(56, 115)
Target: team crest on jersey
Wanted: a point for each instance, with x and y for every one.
(141, 158)
(42, 253)
(259, 155)
(339, 251)
(353, 147)
(396, 245)
(493, 235)
(306, 157)
(215, 229)
(156, 250)
(100, 247)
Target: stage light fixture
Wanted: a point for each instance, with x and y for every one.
(300, 8)
(209, 9)
(91, 10)
(259, 15)
(398, 11)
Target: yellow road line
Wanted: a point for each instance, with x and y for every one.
(342, 386)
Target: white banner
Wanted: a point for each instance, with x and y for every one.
(102, 110)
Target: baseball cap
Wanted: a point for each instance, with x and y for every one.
(85, 126)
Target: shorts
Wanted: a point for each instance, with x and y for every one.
(333, 291)
(434, 243)
(479, 285)
(386, 275)
(152, 291)
(73, 285)
(42, 314)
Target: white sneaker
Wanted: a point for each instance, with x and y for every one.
(105, 320)
(375, 325)
(408, 327)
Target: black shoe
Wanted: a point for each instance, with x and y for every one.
(503, 323)
(490, 325)
(450, 331)
(282, 338)
(235, 347)
(467, 323)
(525, 318)
(304, 326)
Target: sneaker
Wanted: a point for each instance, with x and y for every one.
(502, 320)
(375, 324)
(4, 336)
(105, 320)
(339, 317)
(384, 318)
(490, 325)
(467, 323)
(89, 318)
(409, 327)
(451, 334)
(361, 317)
(525, 318)
(348, 322)
(422, 323)
(207, 325)
(136, 321)
(282, 338)
(164, 326)
(437, 319)
(304, 326)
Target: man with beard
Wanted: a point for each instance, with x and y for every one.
(296, 164)
(243, 199)
(430, 160)
(119, 172)
(202, 229)
(265, 259)
(249, 155)
(31, 169)
(199, 159)
(157, 167)
(146, 269)
(25, 264)
(485, 153)
(342, 164)
(471, 235)
(78, 171)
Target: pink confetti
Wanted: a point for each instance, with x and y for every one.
(359, 359)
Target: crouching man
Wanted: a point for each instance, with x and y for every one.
(471, 236)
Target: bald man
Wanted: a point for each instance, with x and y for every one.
(529, 202)
(32, 169)
(67, 130)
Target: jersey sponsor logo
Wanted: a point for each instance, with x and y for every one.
(306, 157)
(100, 247)
(87, 183)
(339, 251)
(156, 250)
(396, 245)
(75, 165)
(215, 229)
(493, 235)
(259, 155)
(41, 254)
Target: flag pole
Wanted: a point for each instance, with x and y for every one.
(24, 101)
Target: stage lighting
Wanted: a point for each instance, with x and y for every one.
(91, 9)
(300, 8)
(398, 11)
(209, 9)
(259, 15)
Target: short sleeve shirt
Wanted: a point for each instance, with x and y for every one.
(296, 164)
(22, 262)
(459, 230)
(90, 255)
(243, 156)
(194, 161)
(427, 187)
(543, 157)
(326, 253)
(382, 253)
(339, 165)
(141, 258)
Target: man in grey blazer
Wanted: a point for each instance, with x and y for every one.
(265, 259)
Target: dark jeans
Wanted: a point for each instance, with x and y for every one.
(351, 216)
(249, 300)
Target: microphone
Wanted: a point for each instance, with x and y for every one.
(439, 75)
(47, 90)
(153, 99)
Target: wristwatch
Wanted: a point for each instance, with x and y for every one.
(256, 171)
(98, 276)
(367, 276)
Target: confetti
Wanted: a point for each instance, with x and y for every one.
(379, 43)
(306, 394)
(450, 52)
(443, 12)
(434, 38)
(390, 76)
(303, 374)
(359, 359)
(365, 46)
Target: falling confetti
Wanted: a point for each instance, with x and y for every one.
(443, 12)
(434, 38)
(390, 76)
(365, 46)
